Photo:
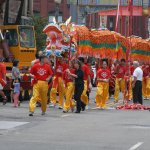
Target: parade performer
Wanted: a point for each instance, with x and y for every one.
(3, 81)
(36, 61)
(112, 79)
(120, 71)
(58, 84)
(41, 73)
(146, 81)
(130, 82)
(69, 88)
(16, 92)
(87, 81)
(103, 76)
(86, 62)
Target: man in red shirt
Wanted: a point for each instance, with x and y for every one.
(69, 88)
(120, 71)
(146, 81)
(87, 81)
(103, 76)
(3, 81)
(58, 83)
(41, 73)
(36, 60)
(128, 81)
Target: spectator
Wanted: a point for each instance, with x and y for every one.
(137, 83)
(79, 86)
(16, 93)
(15, 70)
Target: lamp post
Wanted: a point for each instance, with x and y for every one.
(57, 2)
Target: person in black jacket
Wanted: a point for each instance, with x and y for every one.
(79, 86)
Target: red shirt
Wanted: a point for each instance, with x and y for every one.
(88, 65)
(132, 69)
(121, 70)
(41, 72)
(2, 70)
(86, 71)
(145, 69)
(103, 74)
(149, 69)
(67, 78)
(92, 75)
(60, 68)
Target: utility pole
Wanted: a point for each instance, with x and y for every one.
(25, 8)
(57, 2)
(117, 17)
(30, 7)
(131, 16)
(78, 11)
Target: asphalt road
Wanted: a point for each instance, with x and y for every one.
(109, 129)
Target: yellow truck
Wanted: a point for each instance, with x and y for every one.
(18, 42)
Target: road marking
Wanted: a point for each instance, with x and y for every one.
(5, 125)
(66, 115)
(136, 146)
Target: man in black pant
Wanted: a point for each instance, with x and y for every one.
(79, 86)
(137, 83)
(77, 96)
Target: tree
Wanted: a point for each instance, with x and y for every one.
(39, 24)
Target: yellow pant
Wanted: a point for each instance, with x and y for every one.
(102, 94)
(84, 97)
(130, 90)
(146, 88)
(119, 85)
(129, 94)
(69, 93)
(40, 90)
(61, 91)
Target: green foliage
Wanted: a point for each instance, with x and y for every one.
(39, 23)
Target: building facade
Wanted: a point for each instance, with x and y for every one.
(84, 7)
(13, 9)
(52, 8)
(107, 19)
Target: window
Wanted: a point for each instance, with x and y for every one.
(26, 35)
(11, 37)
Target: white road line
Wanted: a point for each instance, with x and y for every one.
(66, 115)
(136, 146)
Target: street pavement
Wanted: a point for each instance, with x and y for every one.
(93, 129)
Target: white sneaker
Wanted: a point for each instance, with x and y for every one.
(98, 107)
(86, 107)
(52, 105)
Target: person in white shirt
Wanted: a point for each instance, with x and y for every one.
(137, 83)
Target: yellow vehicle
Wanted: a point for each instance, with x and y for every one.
(19, 43)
